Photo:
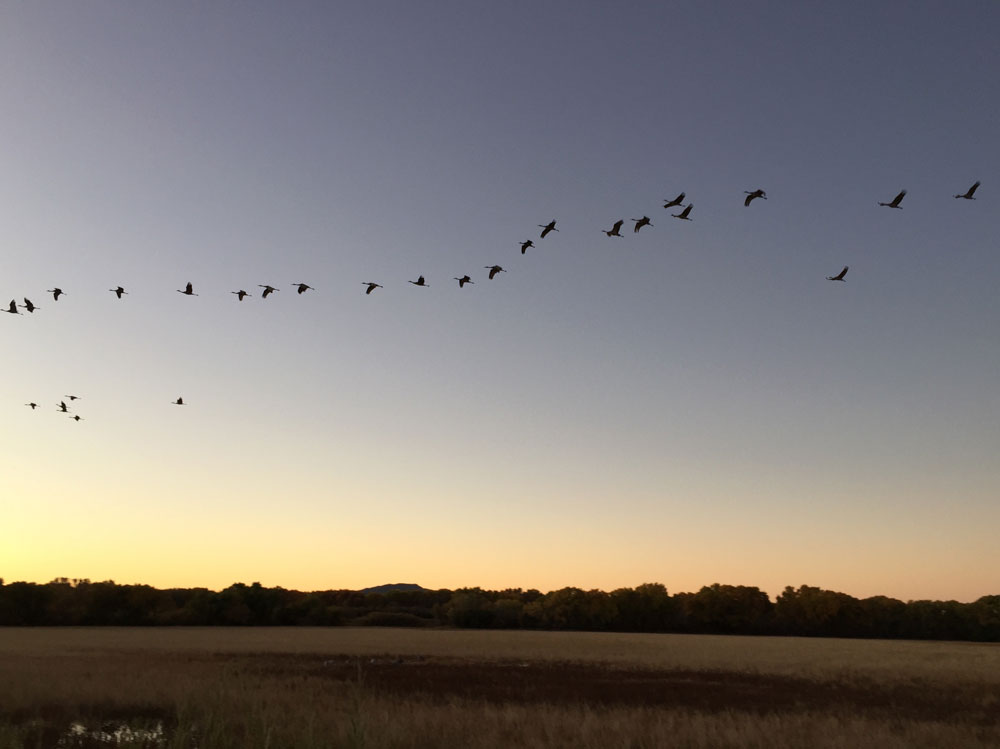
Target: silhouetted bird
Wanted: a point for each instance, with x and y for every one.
(969, 192)
(526, 244)
(371, 286)
(839, 276)
(641, 222)
(463, 280)
(33, 406)
(675, 202)
(420, 282)
(494, 269)
(189, 290)
(119, 291)
(615, 230)
(546, 228)
(12, 308)
(178, 402)
(267, 290)
(61, 405)
(240, 294)
(73, 397)
(56, 293)
(76, 417)
(758, 193)
(685, 213)
(28, 305)
(895, 203)
(302, 288)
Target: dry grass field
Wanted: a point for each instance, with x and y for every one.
(375, 687)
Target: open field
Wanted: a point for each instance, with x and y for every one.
(375, 687)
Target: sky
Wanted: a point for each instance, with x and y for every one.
(691, 404)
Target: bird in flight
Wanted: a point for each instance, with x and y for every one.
(758, 193)
(12, 308)
(641, 222)
(76, 417)
(420, 282)
(56, 292)
(494, 269)
(240, 294)
(73, 397)
(32, 406)
(463, 280)
(675, 202)
(895, 202)
(61, 405)
(546, 228)
(178, 402)
(371, 286)
(615, 231)
(119, 291)
(839, 276)
(28, 305)
(189, 290)
(685, 213)
(302, 288)
(267, 289)
(527, 243)
(969, 192)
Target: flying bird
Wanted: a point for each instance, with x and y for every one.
(76, 417)
(73, 397)
(28, 305)
(371, 286)
(420, 282)
(267, 289)
(758, 193)
(463, 280)
(494, 269)
(33, 406)
(641, 222)
(56, 292)
(839, 276)
(240, 294)
(675, 202)
(178, 402)
(546, 228)
(302, 288)
(119, 291)
(615, 230)
(684, 214)
(189, 290)
(12, 308)
(969, 192)
(526, 244)
(61, 405)
(895, 203)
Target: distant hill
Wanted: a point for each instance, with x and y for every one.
(392, 587)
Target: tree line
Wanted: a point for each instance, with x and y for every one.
(715, 609)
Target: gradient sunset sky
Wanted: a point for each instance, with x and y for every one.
(692, 404)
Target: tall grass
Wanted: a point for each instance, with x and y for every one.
(221, 689)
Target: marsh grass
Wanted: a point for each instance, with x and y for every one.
(216, 689)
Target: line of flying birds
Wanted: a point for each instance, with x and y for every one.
(370, 286)
(614, 231)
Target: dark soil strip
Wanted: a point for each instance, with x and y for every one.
(596, 684)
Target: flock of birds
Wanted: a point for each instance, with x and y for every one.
(370, 286)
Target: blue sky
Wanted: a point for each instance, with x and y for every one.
(692, 404)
